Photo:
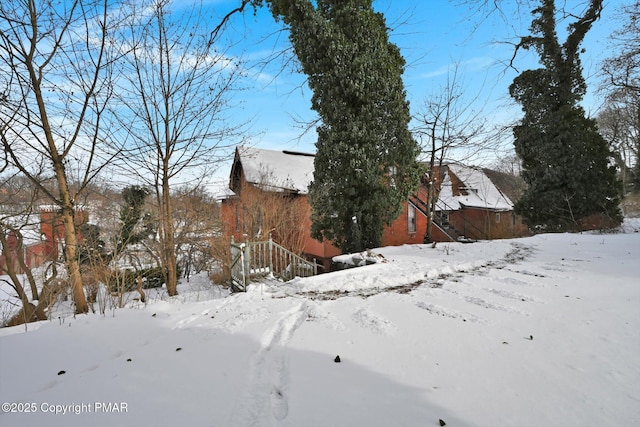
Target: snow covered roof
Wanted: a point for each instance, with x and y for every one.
(467, 186)
(274, 170)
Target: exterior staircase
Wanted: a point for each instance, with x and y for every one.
(469, 234)
(251, 260)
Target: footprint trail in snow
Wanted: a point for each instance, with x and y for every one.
(265, 399)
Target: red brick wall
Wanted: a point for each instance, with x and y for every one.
(398, 232)
(232, 211)
(438, 236)
(52, 227)
(34, 255)
(494, 225)
(234, 217)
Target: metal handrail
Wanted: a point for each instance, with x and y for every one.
(422, 204)
(465, 222)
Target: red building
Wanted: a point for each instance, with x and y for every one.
(270, 197)
(472, 204)
(41, 242)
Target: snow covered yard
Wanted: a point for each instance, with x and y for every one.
(542, 331)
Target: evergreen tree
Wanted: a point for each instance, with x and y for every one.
(131, 214)
(566, 162)
(365, 165)
(91, 249)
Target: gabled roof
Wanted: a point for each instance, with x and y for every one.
(290, 171)
(273, 170)
(464, 186)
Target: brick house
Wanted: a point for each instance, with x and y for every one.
(265, 183)
(34, 249)
(41, 240)
(268, 183)
(472, 204)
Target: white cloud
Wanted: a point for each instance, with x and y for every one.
(479, 63)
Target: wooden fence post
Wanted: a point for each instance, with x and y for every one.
(270, 254)
(246, 263)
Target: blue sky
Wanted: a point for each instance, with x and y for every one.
(432, 36)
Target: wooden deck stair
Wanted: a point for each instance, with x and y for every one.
(251, 260)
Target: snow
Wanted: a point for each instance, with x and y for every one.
(482, 192)
(277, 170)
(274, 170)
(540, 331)
(28, 225)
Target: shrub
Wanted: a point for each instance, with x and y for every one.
(152, 278)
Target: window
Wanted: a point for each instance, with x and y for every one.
(497, 217)
(411, 219)
(392, 173)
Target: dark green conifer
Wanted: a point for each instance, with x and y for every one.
(365, 164)
(566, 162)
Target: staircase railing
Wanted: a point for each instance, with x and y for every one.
(470, 230)
(250, 260)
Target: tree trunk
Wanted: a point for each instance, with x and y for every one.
(431, 205)
(66, 201)
(29, 312)
(143, 297)
(23, 265)
(432, 182)
(168, 241)
(71, 261)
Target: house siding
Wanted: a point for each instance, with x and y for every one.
(236, 222)
(398, 232)
(240, 211)
(469, 220)
(48, 249)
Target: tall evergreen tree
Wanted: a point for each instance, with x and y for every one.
(131, 214)
(365, 164)
(566, 162)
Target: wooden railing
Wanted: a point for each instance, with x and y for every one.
(250, 260)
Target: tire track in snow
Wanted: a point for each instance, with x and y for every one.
(468, 296)
(372, 321)
(511, 295)
(447, 312)
(491, 305)
(512, 281)
(265, 401)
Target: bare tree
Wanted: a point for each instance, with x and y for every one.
(282, 214)
(619, 124)
(447, 126)
(508, 163)
(623, 70)
(619, 120)
(197, 219)
(17, 199)
(13, 259)
(56, 63)
(176, 94)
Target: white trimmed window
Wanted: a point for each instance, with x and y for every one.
(411, 219)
